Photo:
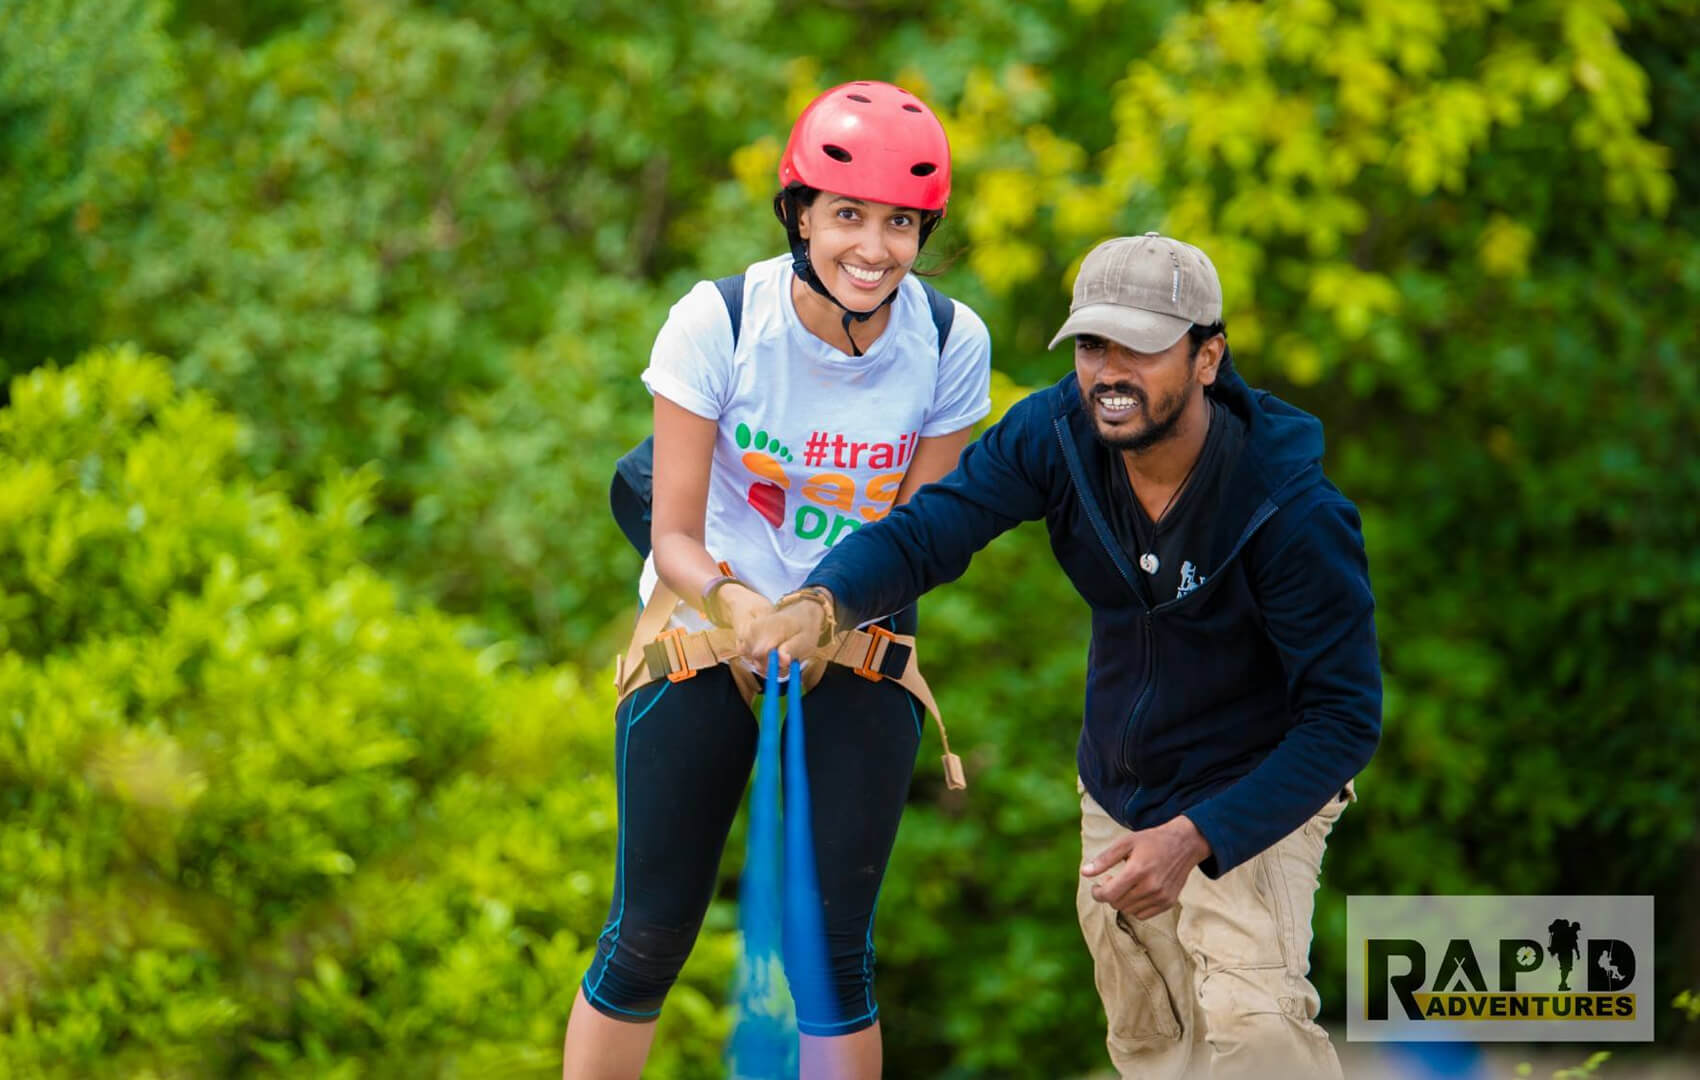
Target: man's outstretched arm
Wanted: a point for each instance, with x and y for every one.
(1003, 479)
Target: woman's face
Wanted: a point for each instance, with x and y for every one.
(860, 250)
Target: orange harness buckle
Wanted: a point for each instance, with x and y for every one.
(866, 668)
(665, 656)
(675, 639)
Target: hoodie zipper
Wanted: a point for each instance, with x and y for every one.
(1119, 558)
(1144, 698)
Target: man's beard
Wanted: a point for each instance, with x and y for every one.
(1161, 425)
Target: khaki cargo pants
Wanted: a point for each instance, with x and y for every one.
(1216, 986)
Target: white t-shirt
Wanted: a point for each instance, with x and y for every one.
(813, 443)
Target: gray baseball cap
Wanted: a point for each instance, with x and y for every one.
(1143, 292)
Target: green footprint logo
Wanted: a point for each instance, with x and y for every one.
(761, 441)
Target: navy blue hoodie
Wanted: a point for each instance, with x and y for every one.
(1246, 704)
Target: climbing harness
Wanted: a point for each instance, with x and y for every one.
(875, 653)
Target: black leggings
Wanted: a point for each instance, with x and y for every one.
(683, 754)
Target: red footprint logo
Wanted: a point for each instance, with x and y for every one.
(769, 502)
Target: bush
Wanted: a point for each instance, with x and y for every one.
(255, 816)
(82, 86)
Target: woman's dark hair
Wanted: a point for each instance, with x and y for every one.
(803, 194)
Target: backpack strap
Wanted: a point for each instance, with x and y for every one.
(941, 307)
(630, 491)
(944, 312)
(732, 291)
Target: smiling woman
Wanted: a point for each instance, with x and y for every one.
(839, 385)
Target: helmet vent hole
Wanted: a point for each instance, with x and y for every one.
(925, 168)
(838, 153)
(912, 108)
(859, 97)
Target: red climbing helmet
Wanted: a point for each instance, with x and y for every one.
(870, 140)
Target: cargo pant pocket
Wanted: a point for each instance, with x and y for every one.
(1136, 1001)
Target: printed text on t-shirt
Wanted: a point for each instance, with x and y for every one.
(833, 503)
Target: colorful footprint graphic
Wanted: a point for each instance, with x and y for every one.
(767, 496)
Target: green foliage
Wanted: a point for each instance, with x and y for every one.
(81, 85)
(1586, 1069)
(255, 816)
(248, 23)
(368, 223)
(439, 237)
(503, 529)
(1688, 1003)
(334, 249)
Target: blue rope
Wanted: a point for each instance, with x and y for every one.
(783, 962)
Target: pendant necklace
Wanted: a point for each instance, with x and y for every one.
(1149, 562)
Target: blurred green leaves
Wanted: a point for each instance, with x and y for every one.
(82, 86)
(409, 259)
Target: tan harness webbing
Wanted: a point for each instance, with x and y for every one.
(876, 654)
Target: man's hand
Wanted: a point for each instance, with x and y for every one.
(794, 630)
(742, 607)
(1157, 862)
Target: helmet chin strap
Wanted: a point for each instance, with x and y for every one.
(805, 270)
(785, 206)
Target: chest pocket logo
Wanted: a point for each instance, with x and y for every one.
(1190, 580)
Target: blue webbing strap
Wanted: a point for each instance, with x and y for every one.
(805, 929)
(779, 911)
